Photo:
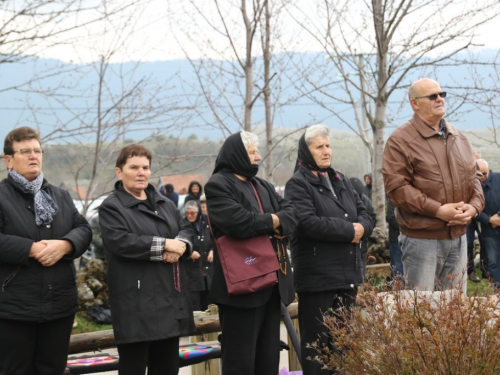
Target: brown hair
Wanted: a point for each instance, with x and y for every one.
(130, 151)
(18, 135)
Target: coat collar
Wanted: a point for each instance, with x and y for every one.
(313, 180)
(129, 201)
(258, 186)
(426, 131)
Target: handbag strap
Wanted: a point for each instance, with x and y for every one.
(258, 198)
(258, 201)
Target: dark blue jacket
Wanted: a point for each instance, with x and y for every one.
(491, 190)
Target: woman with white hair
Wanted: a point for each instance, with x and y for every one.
(250, 322)
(326, 248)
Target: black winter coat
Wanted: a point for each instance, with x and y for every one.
(234, 211)
(491, 190)
(145, 306)
(324, 258)
(30, 291)
(201, 268)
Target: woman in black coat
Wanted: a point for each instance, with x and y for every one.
(250, 322)
(146, 243)
(200, 266)
(195, 191)
(326, 249)
(41, 233)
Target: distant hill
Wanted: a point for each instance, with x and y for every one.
(21, 107)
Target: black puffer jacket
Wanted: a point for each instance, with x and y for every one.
(145, 305)
(323, 256)
(30, 291)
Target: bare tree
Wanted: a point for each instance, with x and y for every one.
(30, 28)
(235, 79)
(119, 103)
(374, 50)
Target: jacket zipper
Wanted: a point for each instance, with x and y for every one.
(9, 278)
(314, 250)
(138, 295)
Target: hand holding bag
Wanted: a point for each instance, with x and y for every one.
(250, 264)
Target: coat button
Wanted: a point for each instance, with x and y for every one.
(346, 215)
(50, 286)
(350, 252)
(48, 225)
(320, 189)
(352, 285)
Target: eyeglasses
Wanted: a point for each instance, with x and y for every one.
(28, 151)
(433, 96)
(191, 213)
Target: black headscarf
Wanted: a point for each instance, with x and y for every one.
(233, 158)
(306, 160)
(190, 191)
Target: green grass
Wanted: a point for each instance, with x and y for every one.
(480, 289)
(88, 326)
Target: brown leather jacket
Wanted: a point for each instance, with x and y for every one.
(422, 171)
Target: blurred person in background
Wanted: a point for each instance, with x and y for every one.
(200, 267)
(195, 191)
(203, 204)
(168, 191)
(358, 187)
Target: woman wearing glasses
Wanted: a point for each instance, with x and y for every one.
(147, 244)
(41, 232)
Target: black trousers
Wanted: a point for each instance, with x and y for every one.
(311, 307)
(32, 348)
(250, 338)
(161, 357)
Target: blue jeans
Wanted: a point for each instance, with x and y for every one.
(435, 263)
(492, 245)
(396, 256)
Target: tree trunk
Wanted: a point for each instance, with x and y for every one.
(266, 46)
(248, 69)
(378, 191)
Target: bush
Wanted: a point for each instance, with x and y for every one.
(412, 332)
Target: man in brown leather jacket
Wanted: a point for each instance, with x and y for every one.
(431, 177)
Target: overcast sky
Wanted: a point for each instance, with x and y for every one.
(158, 30)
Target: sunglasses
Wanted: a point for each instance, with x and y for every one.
(433, 96)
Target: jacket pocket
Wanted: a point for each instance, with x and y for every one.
(9, 278)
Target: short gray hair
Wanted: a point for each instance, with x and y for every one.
(314, 131)
(192, 205)
(482, 161)
(249, 139)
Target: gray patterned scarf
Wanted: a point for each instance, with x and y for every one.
(45, 207)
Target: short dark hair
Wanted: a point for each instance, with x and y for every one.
(18, 135)
(130, 151)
